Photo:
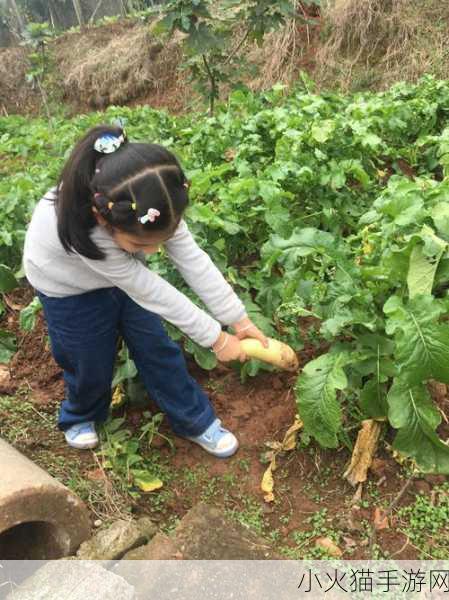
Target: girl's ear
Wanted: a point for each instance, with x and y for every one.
(100, 220)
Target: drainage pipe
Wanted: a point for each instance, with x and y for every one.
(40, 519)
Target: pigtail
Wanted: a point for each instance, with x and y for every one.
(74, 202)
(135, 187)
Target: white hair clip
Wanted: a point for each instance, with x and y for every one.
(152, 215)
(108, 143)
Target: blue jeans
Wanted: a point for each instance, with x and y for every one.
(83, 331)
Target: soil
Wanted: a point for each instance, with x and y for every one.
(259, 410)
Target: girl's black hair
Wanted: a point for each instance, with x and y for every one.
(121, 187)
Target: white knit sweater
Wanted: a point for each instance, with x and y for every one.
(54, 272)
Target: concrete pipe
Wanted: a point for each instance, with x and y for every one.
(40, 519)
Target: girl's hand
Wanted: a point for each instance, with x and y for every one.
(227, 348)
(246, 329)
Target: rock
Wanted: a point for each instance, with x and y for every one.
(205, 534)
(161, 548)
(75, 580)
(121, 537)
(330, 546)
(176, 566)
(147, 527)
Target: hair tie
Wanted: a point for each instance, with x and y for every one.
(151, 215)
(110, 205)
(108, 143)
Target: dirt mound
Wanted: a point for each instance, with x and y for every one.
(346, 44)
(119, 63)
(16, 95)
(116, 64)
(374, 43)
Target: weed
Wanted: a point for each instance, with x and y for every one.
(425, 523)
(250, 514)
(244, 464)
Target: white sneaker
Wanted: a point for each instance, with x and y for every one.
(82, 436)
(217, 440)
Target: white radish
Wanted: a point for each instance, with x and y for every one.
(278, 354)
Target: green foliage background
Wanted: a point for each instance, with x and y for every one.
(330, 206)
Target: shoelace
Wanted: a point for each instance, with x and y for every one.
(84, 428)
(212, 435)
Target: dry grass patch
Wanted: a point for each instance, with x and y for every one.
(15, 93)
(115, 65)
(374, 43)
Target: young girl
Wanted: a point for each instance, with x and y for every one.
(115, 202)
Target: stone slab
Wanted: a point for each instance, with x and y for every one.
(118, 539)
(74, 580)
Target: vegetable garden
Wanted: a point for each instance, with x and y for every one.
(329, 215)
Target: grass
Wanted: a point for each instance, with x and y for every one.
(425, 523)
(18, 420)
(301, 541)
(249, 513)
(372, 44)
(32, 429)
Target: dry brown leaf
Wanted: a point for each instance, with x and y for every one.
(230, 154)
(147, 483)
(380, 520)
(118, 397)
(95, 475)
(274, 445)
(4, 375)
(267, 484)
(11, 304)
(269, 497)
(289, 442)
(399, 457)
(363, 452)
(330, 546)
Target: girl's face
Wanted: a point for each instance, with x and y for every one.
(134, 243)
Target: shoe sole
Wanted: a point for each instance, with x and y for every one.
(223, 454)
(82, 446)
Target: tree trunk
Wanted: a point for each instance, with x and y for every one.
(78, 11)
(15, 10)
(122, 8)
(93, 15)
(52, 16)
